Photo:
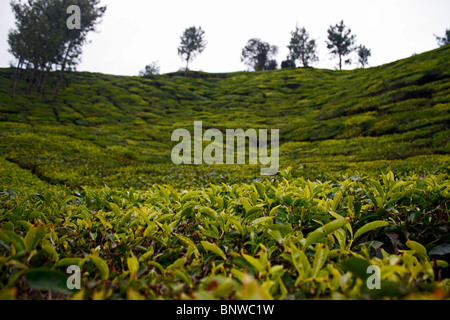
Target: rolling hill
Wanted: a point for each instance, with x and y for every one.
(87, 182)
(105, 129)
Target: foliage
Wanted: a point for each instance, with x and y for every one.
(443, 41)
(302, 48)
(363, 55)
(192, 43)
(42, 41)
(259, 55)
(290, 238)
(150, 70)
(117, 130)
(340, 42)
(87, 180)
(288, 64)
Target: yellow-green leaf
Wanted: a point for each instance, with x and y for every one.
(420, 249)
(369, 227)
(320, 258)
(254, 262)
(336, 201)
(133, 266)
(319, 235)
(33, 237)
(50, 250)
(300, 262)
(212, 247)
(260, 220)
(101, 265)
(68, 262)
(260, 189)
(181, 274)
(15, 240)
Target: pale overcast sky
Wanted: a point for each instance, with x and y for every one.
(136, 32)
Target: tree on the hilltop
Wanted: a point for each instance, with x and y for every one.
(259, 55)
(302, 48)
(288, 64)
(91, 13)
(444, 40)
(150, 70)
(192, 43)
(272, 65)
(363, 55)
(341, 42)
(42, 41)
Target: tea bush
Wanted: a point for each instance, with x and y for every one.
(88, 180)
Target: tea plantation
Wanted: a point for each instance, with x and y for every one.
(88, 181)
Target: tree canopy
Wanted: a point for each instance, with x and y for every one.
(150, 70)
(302, 48)
(259, 55)
(363, 55)
(42, 41)
(445, 40)
(341, 42)
(192, 43)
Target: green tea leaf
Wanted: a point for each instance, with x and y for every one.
(358, 267)
(440, 250)
(212, 247)
(47, 280)
(260, 221)
(208, 212)
(101, 265)
(133, 266)
(50, 250)
(68, 262)
(260, 189)
(388, 289)
(33, 237)
(378, 187)
(336, 201)
(16, 241)
(182, 274)
(189, 196)
(157, 266)
(420, 249)
(369, 227)
(320, 258)
(300, 262)
(254, 262)
(319, 235)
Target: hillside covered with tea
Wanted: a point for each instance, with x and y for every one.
(117, 130)
(88, 180)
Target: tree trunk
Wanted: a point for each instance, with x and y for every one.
(61, 73)
(39, 80)
(340, 62)
(187, 65)
(31, 80)
(17, 75)
(44, 81)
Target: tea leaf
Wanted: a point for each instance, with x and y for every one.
(101, 265)
(212, 247)
(47, 280)
(320, 234)
(369, 227)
